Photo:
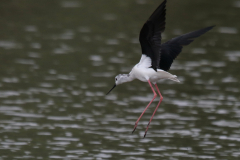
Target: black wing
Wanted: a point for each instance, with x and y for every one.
(150, 35)
(171, 49)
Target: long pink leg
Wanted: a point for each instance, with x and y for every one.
(161, 98)
(155, 95)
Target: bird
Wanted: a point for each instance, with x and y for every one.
(157, 57)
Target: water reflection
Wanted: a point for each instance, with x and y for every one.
(59, 58)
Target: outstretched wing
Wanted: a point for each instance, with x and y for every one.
(171, 49)
(150, 35)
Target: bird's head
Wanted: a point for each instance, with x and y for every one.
(119, 79)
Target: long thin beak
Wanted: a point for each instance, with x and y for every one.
(112, 89)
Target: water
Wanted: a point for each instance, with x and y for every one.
(58, 59)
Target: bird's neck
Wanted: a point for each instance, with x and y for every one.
(131, 77)
(128, 77)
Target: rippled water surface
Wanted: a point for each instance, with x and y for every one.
(59, 58)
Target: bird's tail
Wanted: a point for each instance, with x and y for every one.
(166, 75)
(174, 78)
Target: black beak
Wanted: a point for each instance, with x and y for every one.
(112, 89)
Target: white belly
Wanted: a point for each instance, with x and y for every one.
(145, 74)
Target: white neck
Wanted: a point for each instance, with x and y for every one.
(123, 78)
(129, 77)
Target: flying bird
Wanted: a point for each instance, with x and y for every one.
(156, 58)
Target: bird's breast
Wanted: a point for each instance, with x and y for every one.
(143, 74)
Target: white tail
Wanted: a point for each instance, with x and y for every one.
(174, 78)
(167, 75)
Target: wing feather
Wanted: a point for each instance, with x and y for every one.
(150, 35)
(171, 49)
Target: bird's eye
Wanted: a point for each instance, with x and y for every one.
(115, 79)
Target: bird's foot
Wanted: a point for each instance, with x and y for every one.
(134, 127)
(145, 134)
(146, 130)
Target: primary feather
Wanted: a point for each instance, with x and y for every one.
(171, 49)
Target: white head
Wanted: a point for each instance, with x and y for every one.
(121, 78)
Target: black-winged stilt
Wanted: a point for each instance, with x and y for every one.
(156, 58)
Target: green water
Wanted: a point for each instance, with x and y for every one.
(59, 58)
